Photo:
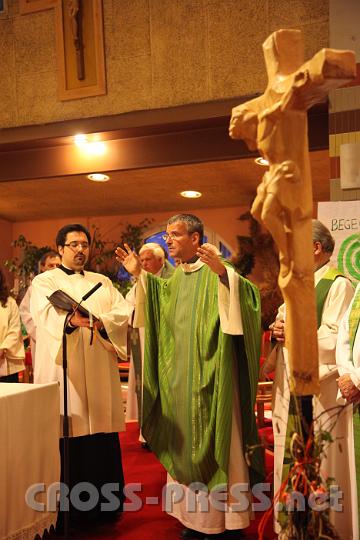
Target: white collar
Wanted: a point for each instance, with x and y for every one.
(192, 267)
(320, 272)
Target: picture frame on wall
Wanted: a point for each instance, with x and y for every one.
(3, 9)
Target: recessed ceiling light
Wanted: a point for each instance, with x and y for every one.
(262, 161)
(97, 177)
(191, 194)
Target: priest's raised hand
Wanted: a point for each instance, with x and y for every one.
(129, 259)
(210, 255)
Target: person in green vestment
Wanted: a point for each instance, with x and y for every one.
(202, 350)
(348, 362)
(333, 295)
(153, 260)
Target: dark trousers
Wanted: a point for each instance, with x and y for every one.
(94, 463)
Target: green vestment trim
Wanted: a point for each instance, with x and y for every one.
(356, 422)
(135, 345)
(322, 290)
(188, 376)
(354, 317)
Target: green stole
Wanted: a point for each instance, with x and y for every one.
(188, 377)
(322, 290)
(294, 416)
(354, 317)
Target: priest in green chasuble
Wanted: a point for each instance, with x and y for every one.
(202, 348)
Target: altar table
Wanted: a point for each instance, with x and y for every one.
(29, 454)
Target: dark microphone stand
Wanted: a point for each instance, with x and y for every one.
(66, 460)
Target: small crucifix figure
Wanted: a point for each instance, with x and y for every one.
(276, 124)
(75, 14)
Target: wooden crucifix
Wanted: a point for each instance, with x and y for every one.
(75, 12)
(276, 124)
(79, 45)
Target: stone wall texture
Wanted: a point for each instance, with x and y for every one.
(159, 53)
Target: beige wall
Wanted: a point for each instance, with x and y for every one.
(159, 53)
(224, 222)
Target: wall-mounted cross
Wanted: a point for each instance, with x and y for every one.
(79, 43)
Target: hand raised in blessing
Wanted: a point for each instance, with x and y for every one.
(208, 254)
(129, 259)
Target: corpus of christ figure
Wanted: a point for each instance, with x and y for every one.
(276, 124)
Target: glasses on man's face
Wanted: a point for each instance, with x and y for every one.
(172, 236)
(74, 246)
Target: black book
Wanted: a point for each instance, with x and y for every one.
(62, 300)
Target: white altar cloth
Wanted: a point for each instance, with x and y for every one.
(29, 454)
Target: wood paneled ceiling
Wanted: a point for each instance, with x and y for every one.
(222, 183)
(149, 161)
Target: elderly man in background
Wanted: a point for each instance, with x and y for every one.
(48, 261)
(153, 260)
(333, 296)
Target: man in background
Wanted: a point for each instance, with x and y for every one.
(48, 261)
(333, 296)
(153, 260)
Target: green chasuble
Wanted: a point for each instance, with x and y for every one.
(188, 377)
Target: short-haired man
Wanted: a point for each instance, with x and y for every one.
(95, 404)
(153, 260)
(333, 296)
(200, 377)
(48, 261)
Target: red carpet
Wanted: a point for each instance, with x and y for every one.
(150, 522)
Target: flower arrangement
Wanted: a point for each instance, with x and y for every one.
(305, 496)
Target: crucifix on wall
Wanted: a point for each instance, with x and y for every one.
(79, 44)
(276, 124)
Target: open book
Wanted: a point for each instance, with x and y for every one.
(62, 300)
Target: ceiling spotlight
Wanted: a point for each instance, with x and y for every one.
(97, 177)
(262, 161)
(191, 194)
(80, 139)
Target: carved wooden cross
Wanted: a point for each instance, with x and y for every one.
(276, 124)
(75, 12)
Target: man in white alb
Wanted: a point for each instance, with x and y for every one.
(94, 390)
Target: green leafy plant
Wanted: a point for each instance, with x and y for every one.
(24, 266)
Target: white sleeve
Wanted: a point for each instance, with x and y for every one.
(337, 302)
(115, 321)
(25, 315)
(343, 351)
(140, 305)
(229, 304)
(13, 341)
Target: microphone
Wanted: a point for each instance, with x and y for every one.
(89, 293)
